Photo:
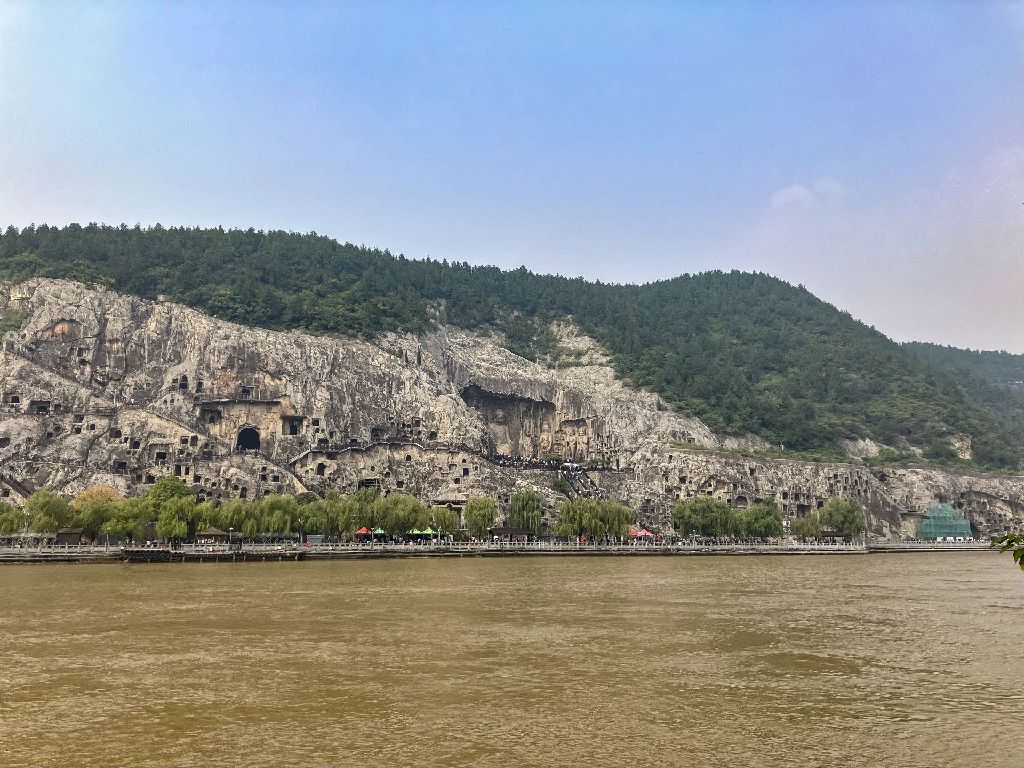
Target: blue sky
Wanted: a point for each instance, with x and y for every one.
(871, 151)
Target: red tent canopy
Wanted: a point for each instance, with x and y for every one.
(634, 532)
(644, 532)
(364, 531)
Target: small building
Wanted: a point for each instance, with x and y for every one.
(68, 537)
(507, 533)
(212, 536)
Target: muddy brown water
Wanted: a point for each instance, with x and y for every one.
(897, 660)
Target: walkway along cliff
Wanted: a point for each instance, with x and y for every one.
(98, 387)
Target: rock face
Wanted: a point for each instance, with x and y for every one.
(98, 387)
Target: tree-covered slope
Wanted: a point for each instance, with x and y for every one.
(994, 379)
(1000, 369)
(745, 352)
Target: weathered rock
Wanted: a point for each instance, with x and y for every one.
(102, 387)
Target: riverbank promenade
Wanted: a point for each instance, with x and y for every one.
(269, 552)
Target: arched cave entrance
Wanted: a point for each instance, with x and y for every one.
(248, 439)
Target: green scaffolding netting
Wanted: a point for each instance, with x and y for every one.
(943, 521)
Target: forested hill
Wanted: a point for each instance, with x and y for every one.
(745, 352)
(1000, 369)
(993, 379)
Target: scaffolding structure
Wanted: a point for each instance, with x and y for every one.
(943, 522)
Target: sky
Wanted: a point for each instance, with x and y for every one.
(872, 151)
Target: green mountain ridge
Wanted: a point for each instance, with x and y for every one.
(745, 352)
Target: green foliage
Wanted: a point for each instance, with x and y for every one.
(888, 456)
(703, 516)
(11, 519)
(12, 321)
(941, 452)
(129, 517)
(1012, 543)
(760, 521)
(708, 517)
(49, 511)
(163, 493)
(93, 507)
(170, 526)
(744, 352)
(480, 514)
(807, 527)
(444, 520)
(399, 513)
(995, 381)
(594, 518)
(525, 512)
(845, 516)
(205, 515)
(999, 369)
(277, 513)
(362, 506)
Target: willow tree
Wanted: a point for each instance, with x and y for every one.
(444, 520)
(49, 511)
(170, 525)
(704, 516)
(93, 507)
(806, 527)
(525, 512)
(594, 518)
(235, 513)
(129, 518)
(759, 521)
(844, 516)
(11, 520)
(279, 512)
(163, 492)
(481, 514)
(206, 515)
(399, 513)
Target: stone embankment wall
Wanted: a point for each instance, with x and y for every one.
(98, 387)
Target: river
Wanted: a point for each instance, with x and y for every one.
(899, 660)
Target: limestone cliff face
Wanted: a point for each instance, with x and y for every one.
(101, 387)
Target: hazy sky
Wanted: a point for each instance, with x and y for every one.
(871, 151)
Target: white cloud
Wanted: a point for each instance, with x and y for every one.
(829, 189)
(941, 261)
(793, 196)
(823, 191)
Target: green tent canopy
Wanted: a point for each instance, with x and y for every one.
(428, 531)
(378, 531)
